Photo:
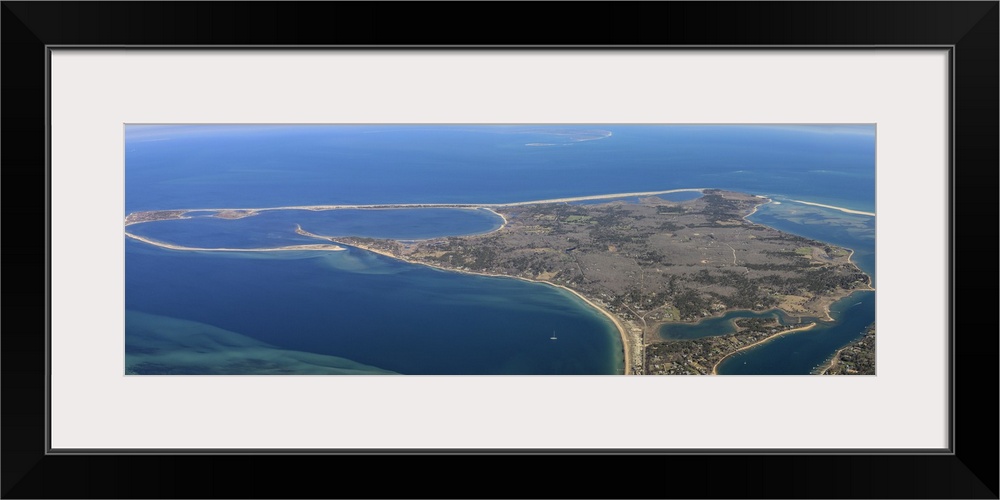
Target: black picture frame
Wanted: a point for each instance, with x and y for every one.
(968, 470)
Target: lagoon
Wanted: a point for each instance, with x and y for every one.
(366, 310)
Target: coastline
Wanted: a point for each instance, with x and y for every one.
(870, 287)
(827, 302)
(498, 214)
(757, 206)
(732, 322)
(390, 206)
(765, 340)
(831, 207)
(632, 344)
(626, 347)
(170, 246)
(830, 363)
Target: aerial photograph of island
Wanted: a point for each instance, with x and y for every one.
(487, 249)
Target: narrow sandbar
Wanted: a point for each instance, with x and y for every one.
(715, 368)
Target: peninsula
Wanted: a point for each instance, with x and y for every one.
(642, 263)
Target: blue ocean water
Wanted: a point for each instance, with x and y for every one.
(721, 325)
(259, 166)
(375, 311)
(801, 352)
(271, 229)
(410, 319)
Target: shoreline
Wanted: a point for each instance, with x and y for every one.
(757, 206)
(626, 347)
(830, 363)
(498, 214)
(842, 209)
(170, 246)
(390, 206)
(827, 304)
(849, 257)
(631, 346)
(765, 340)
(657, 326)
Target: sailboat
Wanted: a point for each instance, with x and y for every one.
(553, 337)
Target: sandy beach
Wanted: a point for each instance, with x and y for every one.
(486, 206)
(842, 209)
(614, 319)
(491, 207)
(390, 206)
(317, 247)
(832, 362)
(759, 342)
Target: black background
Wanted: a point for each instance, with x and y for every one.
(971, 472)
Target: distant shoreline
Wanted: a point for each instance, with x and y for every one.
(614, 319)
(626, 348)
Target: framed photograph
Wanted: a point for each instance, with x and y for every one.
(680, 249)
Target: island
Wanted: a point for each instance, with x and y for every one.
(640, 259)
(650, 261)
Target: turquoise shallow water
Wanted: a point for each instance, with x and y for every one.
(261, 166)
(270, 229)
(360, 309)
(799, 353)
